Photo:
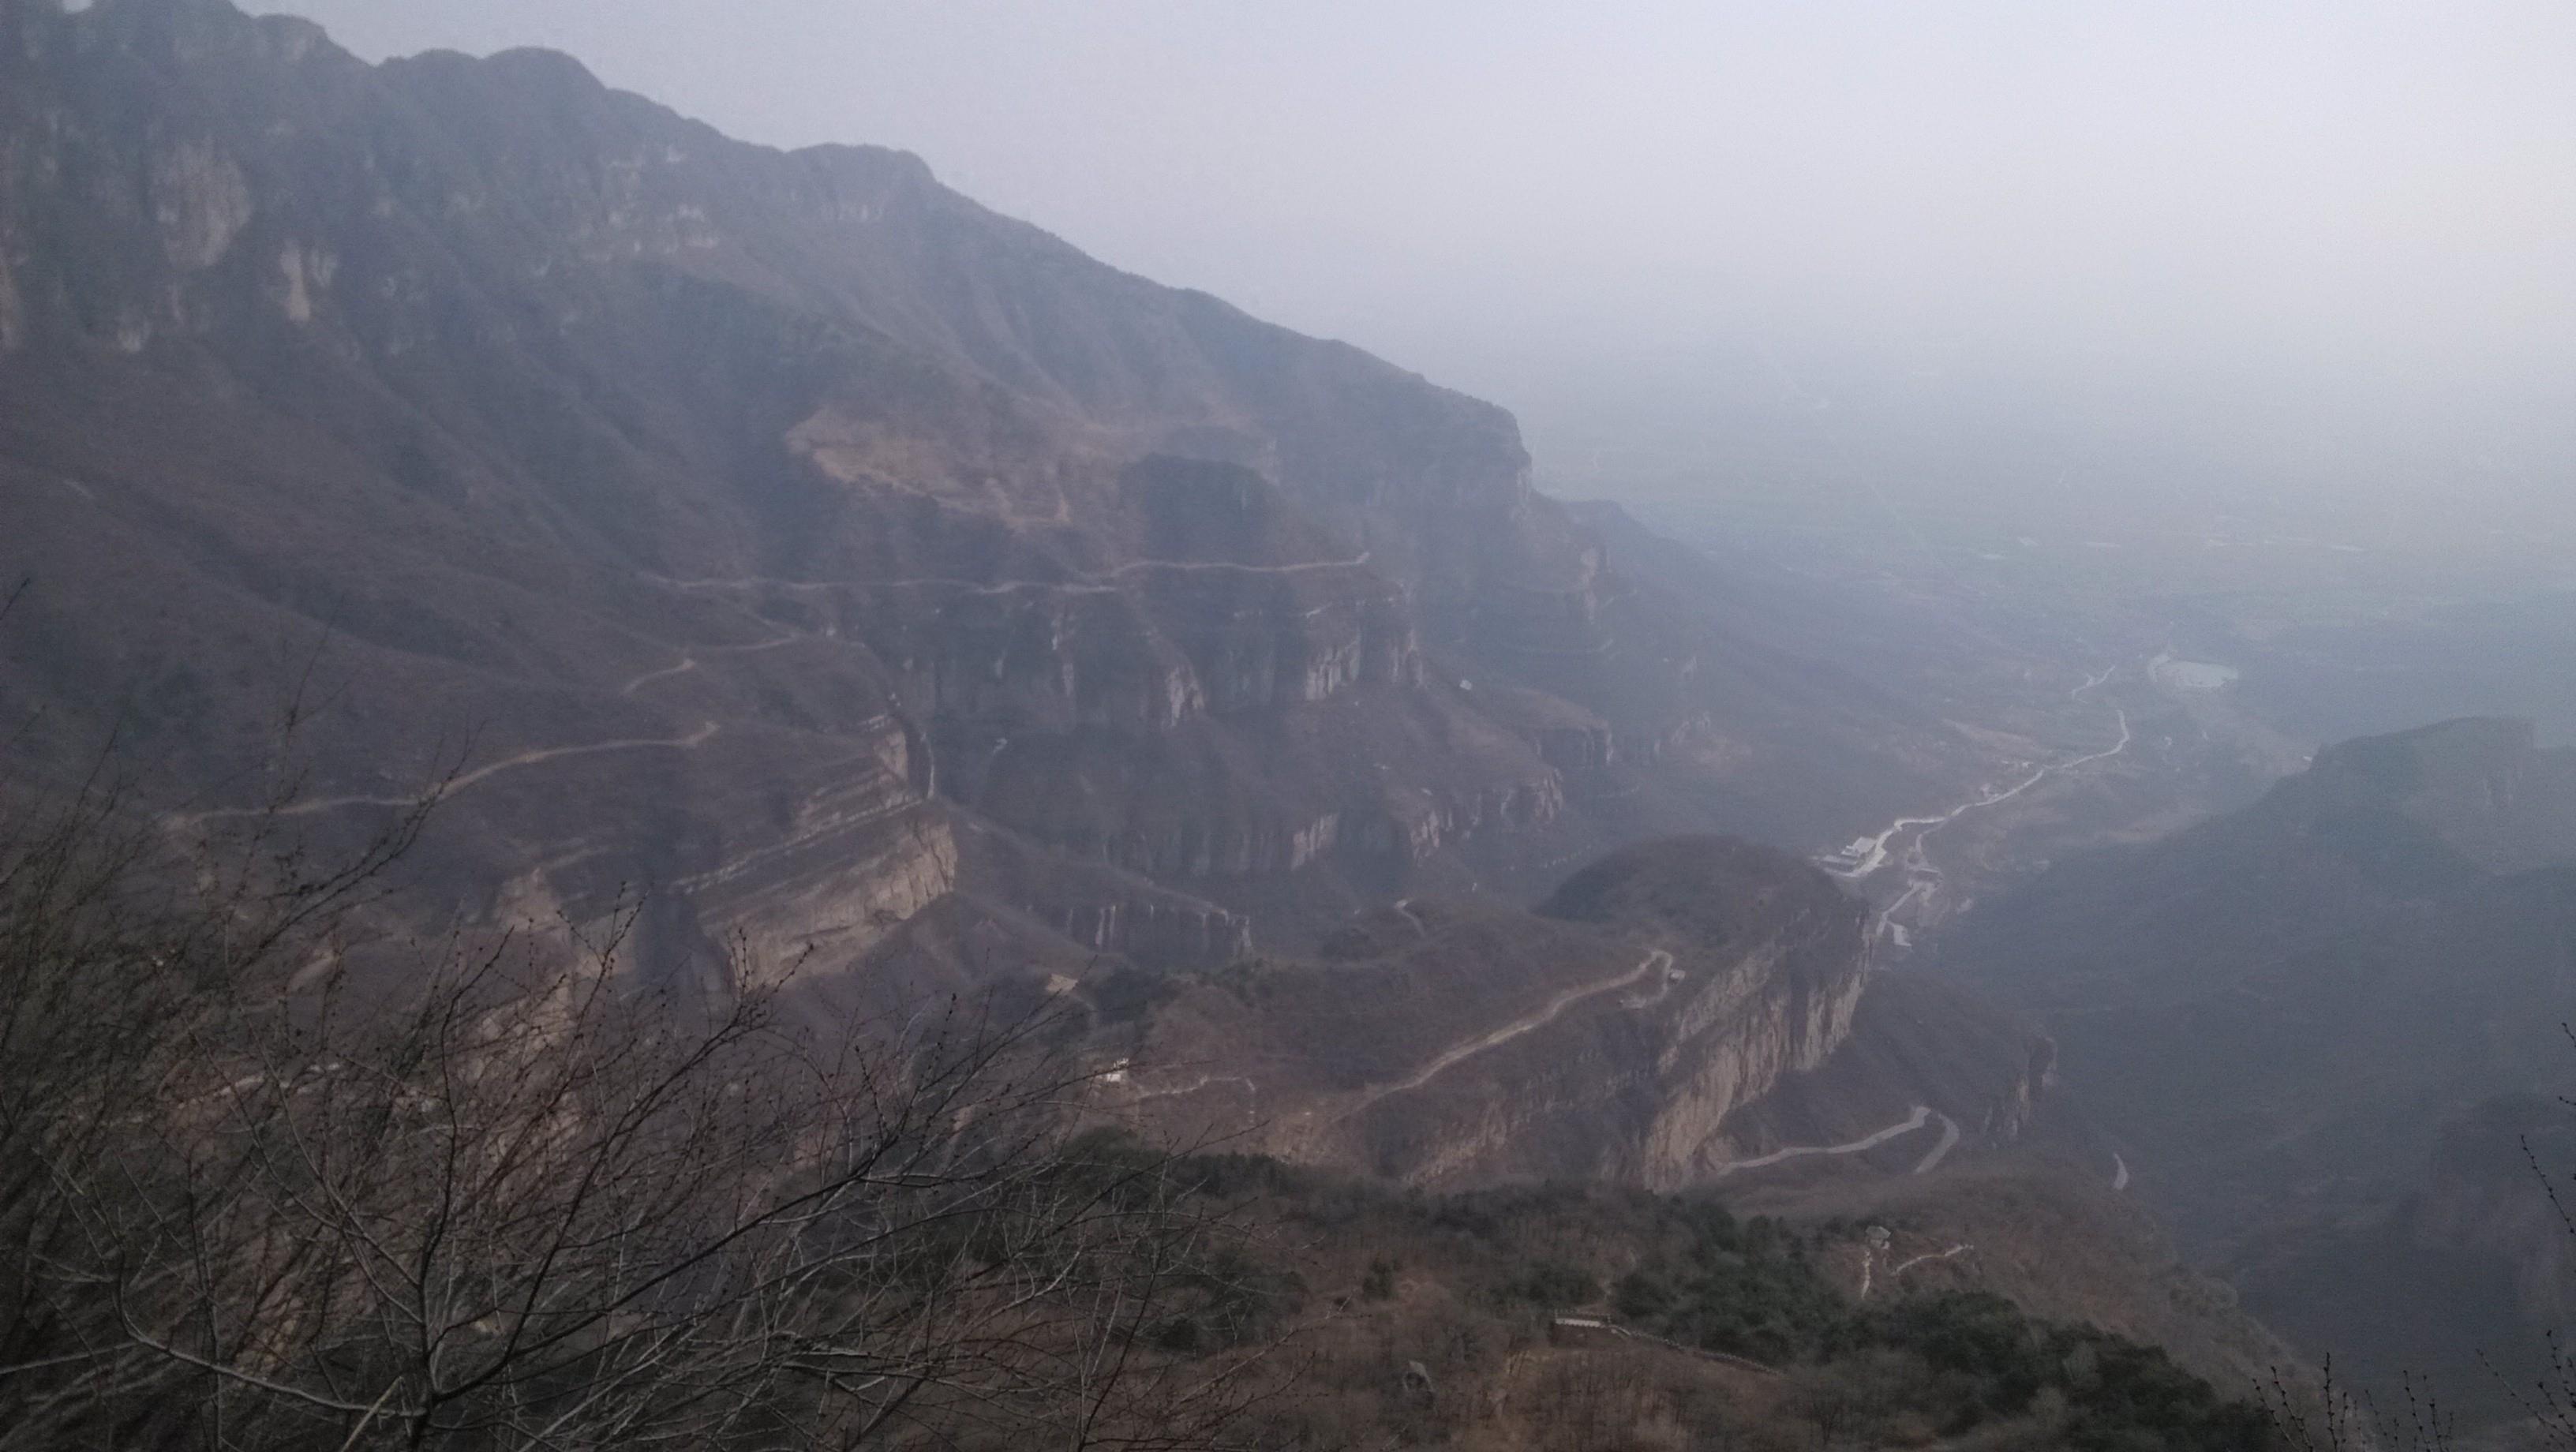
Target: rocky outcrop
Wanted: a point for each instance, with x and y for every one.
(200, 201)
(1615, 1034)
(1738, 1040)
(851, 868)
(1159, 933)
(1771, 962)
(668, 469)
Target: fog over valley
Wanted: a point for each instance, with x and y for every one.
(2304, 252)
(1152, 727)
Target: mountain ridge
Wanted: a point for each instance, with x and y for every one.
(688, 473)
(777, 561)
(2290, 1020)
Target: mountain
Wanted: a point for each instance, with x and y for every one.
(2283, 1016)
(2462, 1283)
(1669, 1013)
(1579, 1317)
(784, 550)
(787, 536)
(1695, 1016)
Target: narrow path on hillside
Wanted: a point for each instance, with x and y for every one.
(1941, 1151)
(461, 782)
(1656, 962)
(1299, 568)
(1599, 1326)
(1921, 1116)
(690, 659)
(1404, 910)
(1197, 1084)
(1665, 982)
(1251, 1092)
(1953, 1253)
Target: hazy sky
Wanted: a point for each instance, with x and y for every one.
(1485, 189)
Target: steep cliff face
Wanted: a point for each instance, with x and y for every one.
(679, 475)
(1767, 969)
(1642, 1027)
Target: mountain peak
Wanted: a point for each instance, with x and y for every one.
(2483, 785)
(540, 66)
(1714, 887)
(188, 32)
(2401, 761)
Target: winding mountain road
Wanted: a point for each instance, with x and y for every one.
(459, 783)
(1665, 982)
(1923, 1114)
(1655, 962)
(1941, 1151)
(689, 659)
(1953, 1253)
(1404, 910)
(1299, 568)
(1923, 879)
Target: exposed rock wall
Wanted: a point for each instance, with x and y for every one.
(848, 874)
(201, 201)
(563, 415)
(1158, 933)
(1748, 1027)
(1673, 986)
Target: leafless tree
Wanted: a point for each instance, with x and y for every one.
(264, 1188)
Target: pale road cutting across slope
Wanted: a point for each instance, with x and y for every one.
(1953, 1253)
(1251, 1093)
(1404, 909)
(691, 742)
(689, 660)
(1921, 1116)
(1597, 1325)
(1656, 962)
(1132, 566)
(1664, 985)
(1949, 1142)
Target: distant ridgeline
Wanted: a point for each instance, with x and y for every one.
(789, 535)
(775, 563)
(2311, 1023)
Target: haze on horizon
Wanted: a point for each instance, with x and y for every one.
(2360, 213)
